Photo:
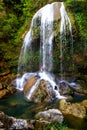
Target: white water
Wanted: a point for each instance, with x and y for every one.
(46, 16)
(46, 36)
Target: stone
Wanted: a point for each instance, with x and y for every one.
(1, 87)
(62, 104)
(6, 92)
(41, 92)
(1, 125)
(29, 84)
(84, 103)
(19, 124)
(11, 123)
(51, 115)
(6, 88)
(57, 6)
(74, 114)
(3, 93)
(65, 89)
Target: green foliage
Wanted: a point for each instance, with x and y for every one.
(79, 9)
(57, 126)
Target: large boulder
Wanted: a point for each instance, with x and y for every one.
(51, 115)
(74, 114)
(36, 90)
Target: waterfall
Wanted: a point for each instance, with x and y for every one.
(65, 30)
(43, 24)
(46, 35)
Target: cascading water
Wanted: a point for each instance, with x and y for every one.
(44, 19)
(46, 36)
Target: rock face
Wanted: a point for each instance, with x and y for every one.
(51, 115)
(74, 114)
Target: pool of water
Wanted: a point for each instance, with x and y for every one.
(15, 105)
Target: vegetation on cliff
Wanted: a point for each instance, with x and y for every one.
(15, 17)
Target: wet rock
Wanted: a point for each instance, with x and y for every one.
(57, 6)
(84, 103)
(6, 88)
(80, 89)
(3, 93)
(51, 115)
(5, 120)
(65, 89)
(62, 104)
(78, 85)
(74, 114)
(1, 125)
(39, 94)
(6, 92)
(20, 124)
(29, 84)
(38, 90)
(1, 87)
(11, 123)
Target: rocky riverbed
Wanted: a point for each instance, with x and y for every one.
(73, 113)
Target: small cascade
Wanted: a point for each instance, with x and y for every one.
(26, 50)
(66, 40)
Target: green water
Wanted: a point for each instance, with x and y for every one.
(15, 105)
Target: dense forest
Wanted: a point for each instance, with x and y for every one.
(15, 17)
